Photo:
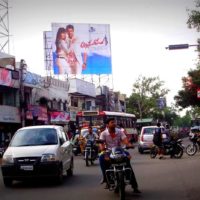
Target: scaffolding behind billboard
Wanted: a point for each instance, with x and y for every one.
(4, 26)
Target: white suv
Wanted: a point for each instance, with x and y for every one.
(145, 140)
(38, 152)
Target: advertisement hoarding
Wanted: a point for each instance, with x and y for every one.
(81, 48)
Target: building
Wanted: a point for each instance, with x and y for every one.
(10, 116)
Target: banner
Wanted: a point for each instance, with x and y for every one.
(6, 77)
(37, 111)
(81, 48)
(60, 116)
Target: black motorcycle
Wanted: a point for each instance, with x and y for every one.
(119, 173)
(90, 152)
(76, 149)
(192, 148)
(173, 148)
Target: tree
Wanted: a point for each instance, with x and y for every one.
(187, 97)
(194, 17)
(194, 21)
(146, 92)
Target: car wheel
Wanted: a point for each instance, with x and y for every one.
(59, 178)
(70, 171)
(7, 182)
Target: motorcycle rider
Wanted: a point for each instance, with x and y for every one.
(114, 137)
(79, 140)
(92, 136)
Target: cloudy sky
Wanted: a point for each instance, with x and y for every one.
(140, 30)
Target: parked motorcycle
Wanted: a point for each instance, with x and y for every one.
(90, 152)
(119, 174)
(173, 148)
(192, 148)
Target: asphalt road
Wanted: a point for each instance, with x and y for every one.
(172, 179)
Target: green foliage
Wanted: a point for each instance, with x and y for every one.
(146, 91)
(187, 97)
(184, 121)
(194, 17)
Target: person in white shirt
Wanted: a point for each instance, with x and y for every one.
(114, 137)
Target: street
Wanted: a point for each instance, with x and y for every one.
(158, 179)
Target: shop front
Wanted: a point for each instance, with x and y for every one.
(36, 115)
(9, 122)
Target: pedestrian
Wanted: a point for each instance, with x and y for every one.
(157, 140)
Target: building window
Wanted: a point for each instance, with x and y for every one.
(65, 106)
(88, 105)
(50, 104)
(74, 101)
(54, 104)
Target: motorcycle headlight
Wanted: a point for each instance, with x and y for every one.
(7, 159)
(48, 158)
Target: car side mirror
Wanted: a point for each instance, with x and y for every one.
(66, 144)
(61, 141)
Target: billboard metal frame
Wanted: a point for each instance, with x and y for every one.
(4, 27)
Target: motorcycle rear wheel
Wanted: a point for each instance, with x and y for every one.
(86, 159)
(191, 149)
(153, 152)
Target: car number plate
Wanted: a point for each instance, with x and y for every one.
(26, 167)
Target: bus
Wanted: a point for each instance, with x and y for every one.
(98, 118)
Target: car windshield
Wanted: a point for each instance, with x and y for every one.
(34, 137)
(149, 131)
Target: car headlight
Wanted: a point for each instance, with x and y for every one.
(48, 158)
(7, 159)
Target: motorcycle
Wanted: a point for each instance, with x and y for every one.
(173, 148)
(78, 145)
(90, 152)
(119, 174)
(192, 148)
(76, 149)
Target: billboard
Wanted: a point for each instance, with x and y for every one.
(81, 48)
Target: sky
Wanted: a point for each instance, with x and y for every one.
(140, 30)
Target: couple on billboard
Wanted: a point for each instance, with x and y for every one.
(69, 57)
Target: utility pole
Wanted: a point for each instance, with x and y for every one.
(23, 70)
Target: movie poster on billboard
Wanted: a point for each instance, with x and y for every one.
(81, 48)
